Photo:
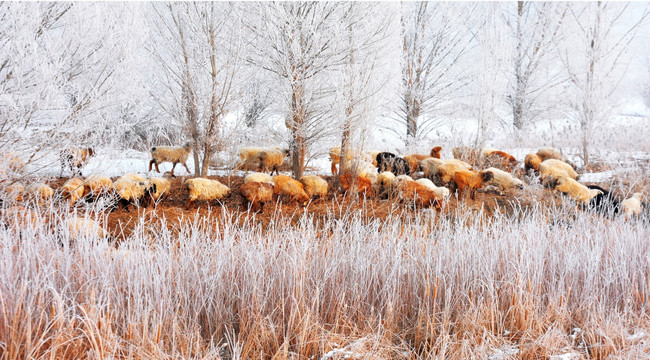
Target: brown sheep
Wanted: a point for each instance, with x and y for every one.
(466, 154)
(499, 159)
(435, 152)
(291, 188)
(418, 195)
(256, 194)
(414, 161)
(363, 185)
(75, 158)
(470, 180)
(446, 171)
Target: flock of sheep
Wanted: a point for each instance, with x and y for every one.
(381, 174)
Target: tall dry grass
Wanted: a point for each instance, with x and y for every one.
(528, 285)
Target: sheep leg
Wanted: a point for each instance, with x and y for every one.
(186, 168)
(151, 162)
(172, 169)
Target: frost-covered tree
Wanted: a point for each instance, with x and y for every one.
(198, 49)
(363, 74)
(596, 57)
(297, 42)
(63, 71)
(488, 85)
(435, 39)
(533, 27)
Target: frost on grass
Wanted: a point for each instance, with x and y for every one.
(453, 286)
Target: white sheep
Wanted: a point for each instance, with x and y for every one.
(503, 180)
(205, 190)
(314, 185)
(172, 154)
(440, 191)
(258, 177)
(73, 190)
(632, 206)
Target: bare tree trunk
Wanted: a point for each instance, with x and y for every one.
(296, 126)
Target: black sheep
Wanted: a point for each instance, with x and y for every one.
(604, 203)
(387, 161)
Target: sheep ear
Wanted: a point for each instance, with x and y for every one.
(486, 175)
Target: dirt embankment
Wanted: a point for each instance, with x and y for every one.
(172, 208)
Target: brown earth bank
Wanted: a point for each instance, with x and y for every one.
(172, 208)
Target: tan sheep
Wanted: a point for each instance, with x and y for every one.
(272, 159)
(133, 177)
(205, 190)
(632, 206)
(353, 155)
(161, 188)
(249, 157)
(98, 185)
(532, 161)
(400, 178)
(430, 166)
(13, 162)
(40, 192)
(293, 189)
(131, 192)
(440, 191)
(578, 192)
(172, 154)
(385, 183)
(84, 228)
(314, 185)
(14, 192)
(73, 190)
(256, 194)
(258, 177)
(556, 168)
(503, 180)
(75, 158)
(414, 161)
